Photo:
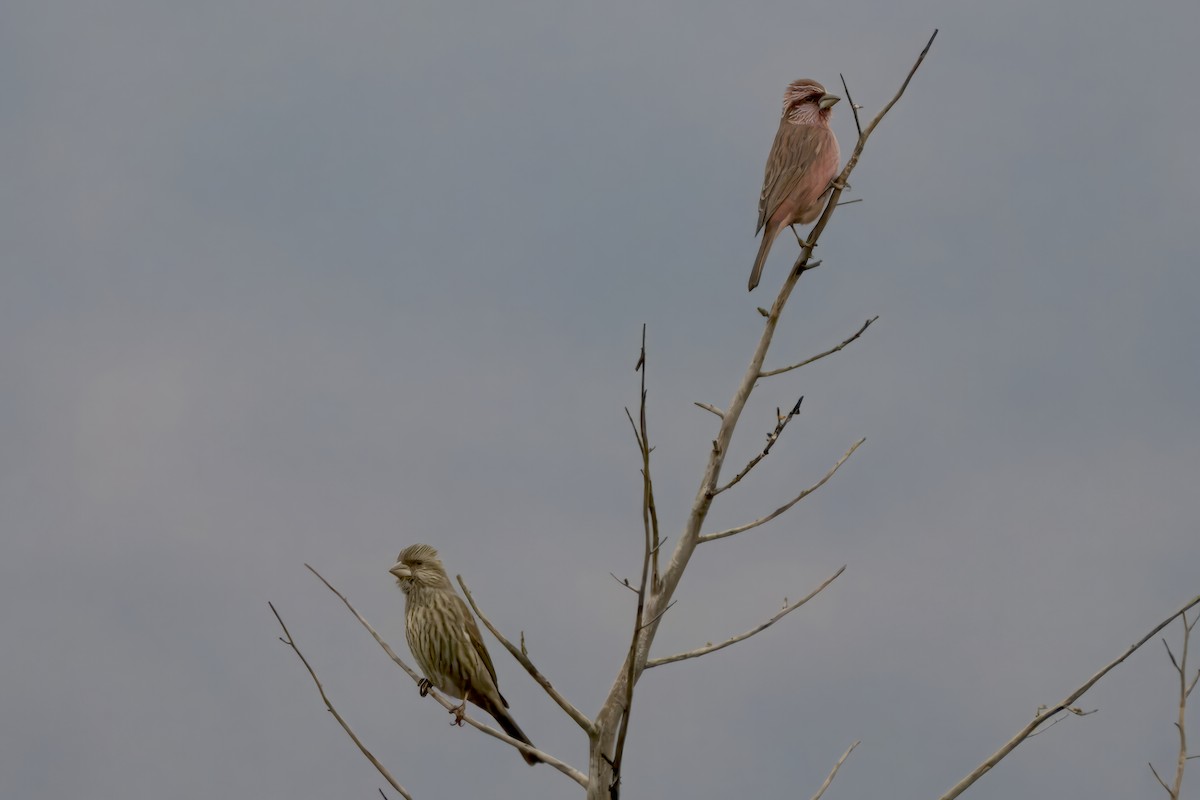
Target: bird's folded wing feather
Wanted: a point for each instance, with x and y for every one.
(796, 148)
(477, 641)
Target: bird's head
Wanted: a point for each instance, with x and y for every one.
(418, 566)
(805, 102)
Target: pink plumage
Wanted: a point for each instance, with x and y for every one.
(803, 161)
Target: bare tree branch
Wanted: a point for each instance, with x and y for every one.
(708, 537)
(290, 642)
(624, 583)
(996, 757)
(833, 772)
(1184, 690)
(649, 581)
(781, 421)
(524, 660)
(1158, 778)
(1170, 655)
(854, 107)
(768, 373)
(610, 717)
(711, 408)
(387, 648)
(1079, 712)
(561, 766)
(709, 648)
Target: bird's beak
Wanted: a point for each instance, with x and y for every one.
(828, 101)
(400, 570)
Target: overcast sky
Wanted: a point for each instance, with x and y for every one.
(289, 282)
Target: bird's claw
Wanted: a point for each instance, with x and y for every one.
(802, 242)
(458, 712)
(423, 686)
(841, 187)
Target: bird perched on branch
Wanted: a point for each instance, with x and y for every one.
(803, 162)
(445, 640)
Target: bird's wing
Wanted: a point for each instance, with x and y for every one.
(793, 153)
(477, 641)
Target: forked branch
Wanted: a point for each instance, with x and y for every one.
(1185, 690)
(1063, 705)
(708, 537)
(781, 421)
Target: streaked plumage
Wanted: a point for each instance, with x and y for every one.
(445, 641)
(803, 160)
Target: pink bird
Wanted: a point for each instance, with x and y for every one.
(803, 162)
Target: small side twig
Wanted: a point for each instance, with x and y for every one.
(290, 642)
(710, 648)
(854, 107)
(710, 408)
(1079, 712)
(708, 537)
(624, 582)
(833, 772)
(781, 421)
(770, 372)
(523, 659)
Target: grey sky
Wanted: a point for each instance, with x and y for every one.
(308, 282)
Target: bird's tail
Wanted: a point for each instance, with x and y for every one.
(769, 234)
(508, 724)
(512, 729)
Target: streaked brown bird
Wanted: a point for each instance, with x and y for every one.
(804, 160)
(445, 640)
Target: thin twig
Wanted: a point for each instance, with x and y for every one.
(290, 642)
(1079, 712)
(781, 421)
(561, 766)
(1023, 734)
(624, 583)
(523, 659)
(708, 537)
(900, 93)
(853, 105)
(710, 407)
(658, 616)
(709, 648)
(387, 648)
(1161, 782)
(768, 373)
(833, 772)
